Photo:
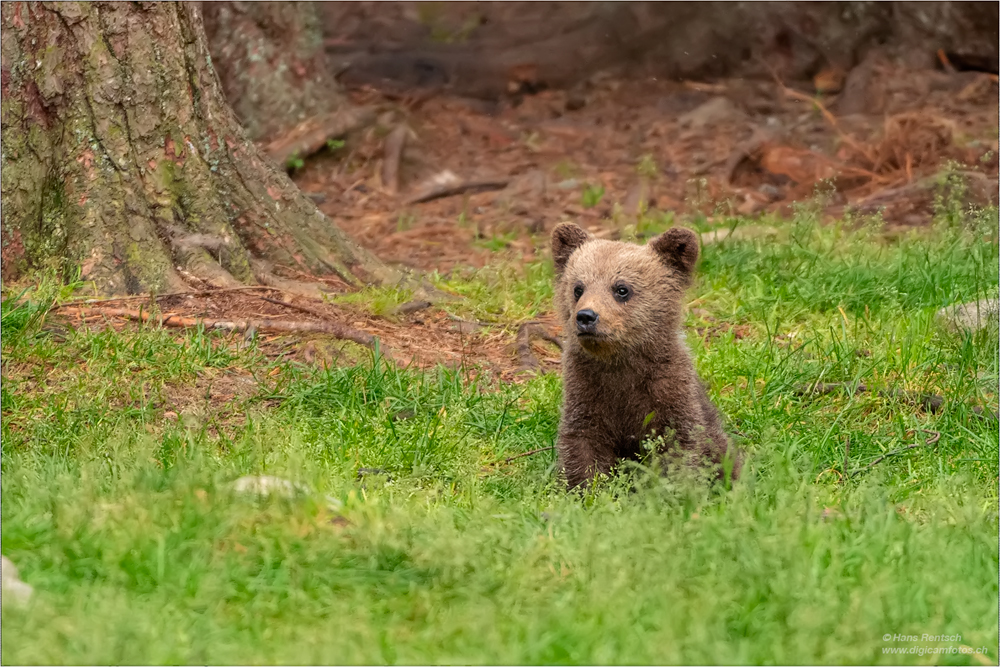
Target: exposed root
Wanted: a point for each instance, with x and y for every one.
(309, 290)
(205, 268)
(522, 343)
(154, 297)
(334, 329)
(312, 134)
(394, 144)
(346, 332)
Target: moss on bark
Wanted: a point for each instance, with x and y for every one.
(122, 159)
(272, 64)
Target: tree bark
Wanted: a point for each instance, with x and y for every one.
(121, 159)
(270, 59)
(273, 67)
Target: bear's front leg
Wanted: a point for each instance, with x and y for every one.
(582, 456)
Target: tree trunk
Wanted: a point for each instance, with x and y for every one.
(273, 67)
(122, 159)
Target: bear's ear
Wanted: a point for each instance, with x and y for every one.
(678, 247)
(566, 238)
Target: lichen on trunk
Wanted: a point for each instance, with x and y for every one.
(122, 160)
(272, 64)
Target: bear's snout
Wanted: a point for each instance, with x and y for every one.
(586, 321)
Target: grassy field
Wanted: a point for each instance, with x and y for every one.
(126, 523)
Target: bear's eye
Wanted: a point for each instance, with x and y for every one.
(622, 292)
(578, 292)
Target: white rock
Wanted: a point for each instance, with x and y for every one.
(743, 232)
(971, 316)
(266, 485)
(13, 588)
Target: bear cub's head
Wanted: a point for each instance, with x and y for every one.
(617, 298)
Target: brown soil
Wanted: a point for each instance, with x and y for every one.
(420, 339)
(735, 147)
(745, 147)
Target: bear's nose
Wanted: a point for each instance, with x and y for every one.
(586, 321)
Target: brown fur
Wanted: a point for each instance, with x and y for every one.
(635, 362)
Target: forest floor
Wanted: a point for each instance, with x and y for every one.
(626, 160)
(416, 516)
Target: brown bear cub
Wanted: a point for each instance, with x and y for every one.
(627, 371)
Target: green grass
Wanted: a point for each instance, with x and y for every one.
(139, 551)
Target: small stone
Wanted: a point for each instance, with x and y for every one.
(772, 193)
(266, 485)
(13, 589)
(971, 316)
(575, 102)
(716, 111)
(744, 232)
(411, 307)
(831, 514)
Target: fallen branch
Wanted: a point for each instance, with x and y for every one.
(450, 189)
(171, 320)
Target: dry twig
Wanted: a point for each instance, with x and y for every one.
(517, 456)
(931, 441)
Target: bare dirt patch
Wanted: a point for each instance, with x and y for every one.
(419, 339)
(732, 147)
(440, 183)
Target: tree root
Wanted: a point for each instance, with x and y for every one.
(525, 334)
(334, 329)
(312, 134)
(155, 297)
(347, 333)
(310, 290)
(394, 144)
